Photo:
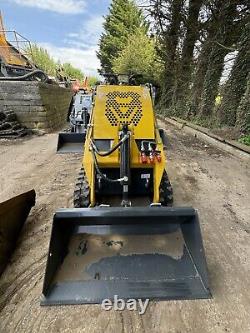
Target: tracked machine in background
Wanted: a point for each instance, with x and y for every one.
(124, 237)
(78, 116)
(80, 112)
(15, 53)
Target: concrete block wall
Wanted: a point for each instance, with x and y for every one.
(38, 106)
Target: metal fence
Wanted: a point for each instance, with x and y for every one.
(13, 45)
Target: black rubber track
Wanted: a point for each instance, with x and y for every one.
(81, 192)
(166, 191)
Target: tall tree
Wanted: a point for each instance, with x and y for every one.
(43, 60)
(192, 25)
(224, 38)
(168, 16)
(209, 27)
(138, 57)
(243, 111)
(123, 20)
(236, 84)
(72, 72)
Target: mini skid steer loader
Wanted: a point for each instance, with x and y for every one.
(122, 238)
(79, 115)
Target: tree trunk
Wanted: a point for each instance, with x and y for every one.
(171, 39)
(219, 50)
(212, 80)
(236, 84)
(192, 31)
(243, 111)
(198, 79)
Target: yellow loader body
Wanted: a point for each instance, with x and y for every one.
(134, 247)
(114, 107)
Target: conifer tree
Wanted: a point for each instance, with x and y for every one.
(138, 57)
(123, 20)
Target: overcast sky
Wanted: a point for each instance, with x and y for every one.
(68, 29)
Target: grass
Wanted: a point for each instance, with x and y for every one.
(245, 140)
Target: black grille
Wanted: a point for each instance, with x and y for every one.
(128, 112)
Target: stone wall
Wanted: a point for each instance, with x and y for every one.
(38, 106)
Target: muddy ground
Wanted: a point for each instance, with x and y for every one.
(214, 182)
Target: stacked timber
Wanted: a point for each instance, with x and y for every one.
(37, 106)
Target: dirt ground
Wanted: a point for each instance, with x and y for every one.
(214, 182)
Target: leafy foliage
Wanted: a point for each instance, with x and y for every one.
(123, 20)
(41, 58)
(195, 39)
(92, 80)
(187, 55)
(236, 85)
(243, 111)
(245, 140)
(72, 72)
(138, 57)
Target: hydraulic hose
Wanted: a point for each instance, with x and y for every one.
(112, 149)
(95, 151)
(24, 77)
(101, 174)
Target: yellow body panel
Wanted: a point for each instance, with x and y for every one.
(10, 54)
(115, 106)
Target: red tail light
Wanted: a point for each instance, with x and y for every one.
(158, 157)
(143, 158)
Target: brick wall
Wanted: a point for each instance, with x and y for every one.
(38, 106)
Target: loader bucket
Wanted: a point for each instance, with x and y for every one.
(70, 143)
(13, 214)
(135, 252)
